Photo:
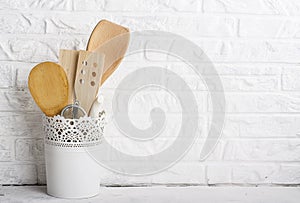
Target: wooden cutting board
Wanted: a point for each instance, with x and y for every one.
(112, 40)
(48, 85)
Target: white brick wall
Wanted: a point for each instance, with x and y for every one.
(254, 45)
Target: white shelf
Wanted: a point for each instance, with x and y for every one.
(159, 194)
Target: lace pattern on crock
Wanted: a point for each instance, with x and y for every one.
(82, 132)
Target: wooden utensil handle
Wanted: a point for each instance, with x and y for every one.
(68, 60)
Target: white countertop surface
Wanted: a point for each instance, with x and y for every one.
(157, 194)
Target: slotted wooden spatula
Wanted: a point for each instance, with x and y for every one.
(88, 76)
(112, 40)
(49, 88)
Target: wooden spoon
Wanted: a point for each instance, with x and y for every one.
(49, 88)
(88, 76)
(112, 40)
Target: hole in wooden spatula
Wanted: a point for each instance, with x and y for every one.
(84, 63)
(95, 65)
(94, 74)
(81, 81)
(82, 72)
(93, 83)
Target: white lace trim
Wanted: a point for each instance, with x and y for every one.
(82, 132)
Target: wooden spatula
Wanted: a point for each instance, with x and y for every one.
(112, 40)
(68, 60)
(48, 86)
(88, 76)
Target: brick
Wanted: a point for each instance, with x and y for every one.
(29, 149)
(119, 140)
(244, 69)
(262, 150)
(22, 23)
(218, 174)
(262, 126)
(275, 174)
(18, 174)
(290, 79)
(242, 83)
(71, 24)
(251, 51)
(32, 4)
(260, 103)
(281, 7)
(188, 173)
(257, 174)
(195, 83)
(7, 73)
(146, 100)
(11, 100)
(154, 6)
(196, 26)
(86, 5)
(244, 6)
(22, 73)
(37, 23)
(6, 149)
(234, 69)
(125, 68)
(229, 83)
(138, 6)
(193, 154)
(292, 7)
(241, 50)
(38, 49)
(201, 26)
(218, 51)
(21, 124)
(165, 140)
(288, 174)
(41, 174)
(269, 27)
(180, 173)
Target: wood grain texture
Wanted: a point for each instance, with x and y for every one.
(68, 60)
(112, 40)
(88, 76)
(48, 85)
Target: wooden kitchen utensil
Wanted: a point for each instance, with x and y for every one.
(88, 76)
(68, 60)
(112, 40)
(48, 85)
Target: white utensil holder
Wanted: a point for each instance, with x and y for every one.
(71, 171)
